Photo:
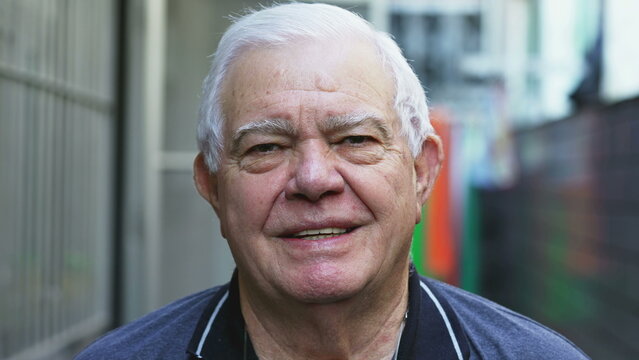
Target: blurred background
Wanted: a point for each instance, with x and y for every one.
(537, 207)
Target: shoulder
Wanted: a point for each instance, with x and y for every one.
(494, 331)
(163, 333)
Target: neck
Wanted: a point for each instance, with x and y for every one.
(366, 326)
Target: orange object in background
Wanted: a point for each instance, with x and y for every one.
(440, 250)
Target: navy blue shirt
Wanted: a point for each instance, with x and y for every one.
(443, 322)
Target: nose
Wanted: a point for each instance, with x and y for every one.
(314, 174)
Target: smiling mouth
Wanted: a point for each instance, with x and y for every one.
(318, 234)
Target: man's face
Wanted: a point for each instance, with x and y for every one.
(317, 192)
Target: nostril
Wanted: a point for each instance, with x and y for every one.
(311, 197)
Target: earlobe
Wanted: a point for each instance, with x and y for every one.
(205, 181)
(427, 166)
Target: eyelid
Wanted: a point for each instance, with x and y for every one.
(367, 137)
(252, 140)
(254, 148)
(266, 127)
(369, 130)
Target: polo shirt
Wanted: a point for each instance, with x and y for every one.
(443, 322)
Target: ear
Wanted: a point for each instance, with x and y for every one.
(205, 181)
(427, 166)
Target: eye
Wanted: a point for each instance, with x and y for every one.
(357, 139)
(263, 148)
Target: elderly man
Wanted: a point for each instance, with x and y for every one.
(317, 156)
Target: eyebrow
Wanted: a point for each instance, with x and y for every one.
(275, 126)
(336, 124)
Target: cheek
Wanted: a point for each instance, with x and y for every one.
(247, 204)
(402, 196)
(385, 193)
(364, 155)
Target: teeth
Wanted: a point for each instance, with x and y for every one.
(319, 233)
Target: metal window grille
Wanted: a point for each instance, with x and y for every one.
(56, 146)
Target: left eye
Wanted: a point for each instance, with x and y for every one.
(356, 139)
(264, 148)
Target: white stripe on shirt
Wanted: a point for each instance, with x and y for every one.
(445, 317)
(209, 323)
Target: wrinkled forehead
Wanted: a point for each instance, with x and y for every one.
(349, 67)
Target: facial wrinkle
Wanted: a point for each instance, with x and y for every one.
(274, 126)
(325, 83)
(339, 123)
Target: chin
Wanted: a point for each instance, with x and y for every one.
(324, 287)
(325, 295)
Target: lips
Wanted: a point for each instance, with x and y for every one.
(316, 230)
(317, 234)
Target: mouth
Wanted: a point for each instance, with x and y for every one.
(319, 234)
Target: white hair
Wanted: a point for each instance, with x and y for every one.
(283, 24)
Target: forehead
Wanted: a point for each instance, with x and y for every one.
(319, 77)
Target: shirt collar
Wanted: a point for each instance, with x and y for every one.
(220, 332)
(432, 330)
